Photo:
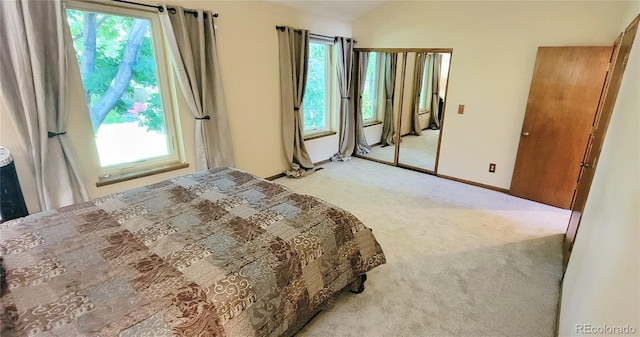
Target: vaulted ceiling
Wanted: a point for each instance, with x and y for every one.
(343, 10)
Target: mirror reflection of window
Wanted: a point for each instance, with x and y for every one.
(425, 97)
(372, 97)
(369, 92)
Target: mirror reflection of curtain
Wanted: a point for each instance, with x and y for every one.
(435, 90)
(362, 147)
(293, 47)
(418, 75)
(391, 62)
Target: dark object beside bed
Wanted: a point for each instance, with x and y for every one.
(214, 253)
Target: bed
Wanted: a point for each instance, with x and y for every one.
(213, 253)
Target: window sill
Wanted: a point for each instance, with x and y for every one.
(366, 125)
(320, 135)
(118, 178)
(423, 112)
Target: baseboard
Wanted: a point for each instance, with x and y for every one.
(557, 328)
(380, 161)
(274, 177)
(322, 162)
(280, 175)
(469, 182)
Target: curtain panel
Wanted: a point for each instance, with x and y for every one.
(293, 45)
(361, 60)
(191, 42)
(435, 90)
(351, 126)
(33, 83)
(388, 128)
(418, 72)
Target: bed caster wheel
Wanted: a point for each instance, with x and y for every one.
(357, 286)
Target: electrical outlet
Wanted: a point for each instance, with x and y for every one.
(492, 167)
(461, 109)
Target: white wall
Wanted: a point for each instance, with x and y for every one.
(373, 133)
(248, 52)
(602, 282)
(494, 49)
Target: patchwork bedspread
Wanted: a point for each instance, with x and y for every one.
(214, 253)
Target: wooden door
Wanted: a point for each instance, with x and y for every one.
(622, 48)
(565, 90)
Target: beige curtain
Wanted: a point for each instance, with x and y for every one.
(435, 91)
(293, 45)
(344, 67)
(362, 61)
(192, 45)
(391, 62)
(418, 74)
(33, 83)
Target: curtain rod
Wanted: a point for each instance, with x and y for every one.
(159, 8)
(281, 28)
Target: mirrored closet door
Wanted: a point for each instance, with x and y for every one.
(402, 104)
(379, 103)
(422, 109)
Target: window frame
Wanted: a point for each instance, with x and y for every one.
(329, 92)
(166, 89)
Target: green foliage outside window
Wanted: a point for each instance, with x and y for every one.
(118, 68)
(314, 105)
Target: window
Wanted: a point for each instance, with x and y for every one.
(425, 91)
(370, 90)
(123, 72)
(316, 105)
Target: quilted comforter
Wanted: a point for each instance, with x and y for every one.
(214, 253)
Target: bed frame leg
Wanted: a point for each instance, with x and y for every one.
(358, 285)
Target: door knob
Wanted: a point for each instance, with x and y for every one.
(525, 133)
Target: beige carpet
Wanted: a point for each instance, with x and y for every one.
(462, 260)
(385, 153)
(418, 151)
